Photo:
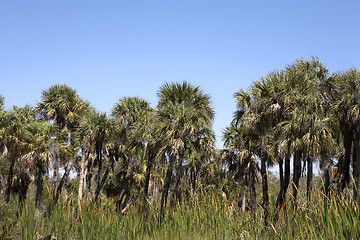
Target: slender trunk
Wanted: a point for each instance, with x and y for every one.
(346, 163)
(55, 174)
(309, 178)
(263, 171)
(125, 186)
(165, 190)
(89, 176)
(84, 188)
(252, 190)
(281, 173)
(23, 185)
(148, 171)
(281, 199)
(39, 188)
(193, 180)
(327, 179)
(103, 179)
(9, 180)
(356, 166)
(155, 190)
(297, 174)
(243, 202)
(63, 179)
(99, 161)
(82, 177)
(176, 183)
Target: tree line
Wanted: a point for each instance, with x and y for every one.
(300, 114)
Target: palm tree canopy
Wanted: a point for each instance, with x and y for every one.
(63, 105)
(185, 93)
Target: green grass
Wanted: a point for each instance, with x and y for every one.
(207, 216)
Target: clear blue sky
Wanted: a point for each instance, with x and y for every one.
(110, 49)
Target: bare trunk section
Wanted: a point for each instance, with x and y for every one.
(252, 190)
(9, 180)
(345, 179)
(309, 178)
(176, 183)
(356, 167)
(193, 175)
(165, 190)
(281, 199)
(150, 161)
(63, 180)
(103, 178)
(82, 177)
(99, 161)
(89, 176)
(243, 201)
(263, 171)
(23, 185)
(39, 188)
(297, 174)
(125, 186)
(55, 174)
(281, 173)
(326, 179)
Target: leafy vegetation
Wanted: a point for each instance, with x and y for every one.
(70, 172)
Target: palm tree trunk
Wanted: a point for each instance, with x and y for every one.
(155, 191)
(82, 177)
(165, 190)
(327, 179)
(243, 201)
(252, 190)
(281, 199)
(148, 171)
(193, 175)
(125, 186)
(297, 173)
(23, 185)
(55, 174)
(344, 181)
(309, 178)
(281, 173)
(176, 183)
(356, 166)
(39, 188)
(99, 161)
(263, 171)
(103, 179)
(9, 180)
(63, 179)
(89, 176)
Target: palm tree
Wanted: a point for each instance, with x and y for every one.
(347, 109)
(303, 103)
(134, 115)
(253, 111)
(96, 133)
(185, 115)
(241, 148)
(14, 122)
(39, 137)
(62, 105)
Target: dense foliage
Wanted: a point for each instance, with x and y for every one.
(71, 172)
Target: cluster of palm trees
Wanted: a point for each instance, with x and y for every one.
(135, 151)
(300, 113)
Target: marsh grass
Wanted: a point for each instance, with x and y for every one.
(205, 216)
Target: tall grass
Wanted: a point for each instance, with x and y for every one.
(205, 216)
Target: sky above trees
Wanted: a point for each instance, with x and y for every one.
(111, 49)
